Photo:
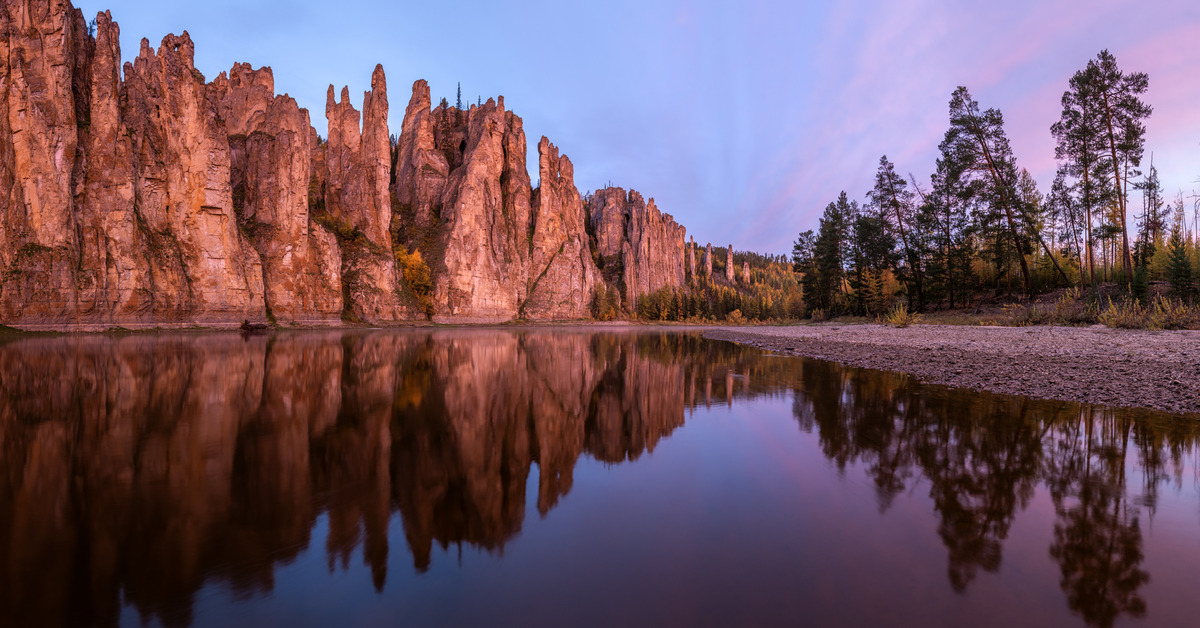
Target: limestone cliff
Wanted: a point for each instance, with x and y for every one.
(143, 195)
(562, 273)
(357, 172)
(202, 268)
(271, 141)
(641, 248)
(478, 249)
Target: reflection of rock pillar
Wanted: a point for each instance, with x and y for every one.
(708, 392)
(729, 388)
(729, 264)
(746, 382)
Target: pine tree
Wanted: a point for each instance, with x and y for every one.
(1179, 268)
(1080, 146)
(978, 142)
(894, 201)
(1106, 110)
(829, 255)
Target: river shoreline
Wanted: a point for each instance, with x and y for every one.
(1159, 370)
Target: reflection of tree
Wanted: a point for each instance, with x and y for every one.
(1098, 544)
(982, 466)
(983, 456)
(136, 470)
(1097, 536)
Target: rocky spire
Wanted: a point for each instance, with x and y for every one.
(729, 264)
(708, 260)
(203, 268)
(562, 273)
(270, 169)
(357, 169)
(485, 217)
(421, 170)
(692, 259)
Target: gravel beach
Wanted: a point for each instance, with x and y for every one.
(1140, 369)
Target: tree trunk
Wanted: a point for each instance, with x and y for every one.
(1126, 258)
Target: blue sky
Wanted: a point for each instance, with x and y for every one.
(742, 121)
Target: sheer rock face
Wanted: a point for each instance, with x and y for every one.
(43, 48)
(357, 166)
(648, 244)
(608, 215)
(114, 276)
(481, 261)
(692, 259)
(39, 59)
(653, 251)
(271, 143)
(421, 170)
(142, 196)
(562, 272)
(202, 269)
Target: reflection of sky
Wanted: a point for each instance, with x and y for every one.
(742, 123)
(736, 518)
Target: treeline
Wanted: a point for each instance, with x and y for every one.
(981, 224)
(770, 293)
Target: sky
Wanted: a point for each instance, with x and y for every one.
(741, 121)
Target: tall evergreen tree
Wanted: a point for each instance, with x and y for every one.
(830, 253)
(1080, 146)
(947, 213)
(978, 143)
(893, 202)
(1112, 101)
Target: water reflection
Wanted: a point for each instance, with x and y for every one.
(137, 470)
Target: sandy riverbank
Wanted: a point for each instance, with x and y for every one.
(1147, 369)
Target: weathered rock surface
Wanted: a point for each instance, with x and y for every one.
(729, 276)
(481, 257)
(42, 49)
(708, 260)
(144, 196)
(271, 141)
(114, 272)
(692, 259)
(357, 200)
(646, 245)
(562, 273)
(421, 170)
(202, 269)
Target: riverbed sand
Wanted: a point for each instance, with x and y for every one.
(1097, 365)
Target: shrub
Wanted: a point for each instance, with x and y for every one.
(899, 316)
(1173, 314)
(416, 276)
(1123, 315)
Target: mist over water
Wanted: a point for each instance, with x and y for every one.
(567, 477)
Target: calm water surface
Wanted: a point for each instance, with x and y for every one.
(564, 477)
